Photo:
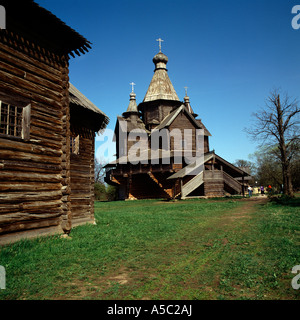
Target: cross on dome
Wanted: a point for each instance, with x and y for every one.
(186, 91)
(132, 85)
(160, 41)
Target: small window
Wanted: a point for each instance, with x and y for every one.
(14, 120)
(74, 144)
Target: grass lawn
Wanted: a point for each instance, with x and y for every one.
(193, 249)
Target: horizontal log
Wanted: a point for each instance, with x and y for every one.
(29, 147)
(29, 186)
(30, 177)
(17, 58)
(41, 109)
(47, 142)
(13, 197)
(18, 71)
(10, 165)
(85, 172)
(41, 205)
(42, 116)
(28, 225)
(7, 208)
(51, 127)
(14, 155)
(78, 214)
(21, 216)
(45, 134)
(24, 84)
(80, 186)
(12, 90)
(80, 200)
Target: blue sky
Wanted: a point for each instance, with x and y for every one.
(230, 54)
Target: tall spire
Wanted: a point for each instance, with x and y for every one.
(132, 108)
(161, 87)
(187, 104)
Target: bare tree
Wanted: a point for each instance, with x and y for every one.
(277, 125)
(99, 170)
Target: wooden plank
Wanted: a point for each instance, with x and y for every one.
(26, 122)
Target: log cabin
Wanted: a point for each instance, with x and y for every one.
(208, 175)
(47, 127)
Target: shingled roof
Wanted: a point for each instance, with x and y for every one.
(161, 86)
(92, 116)
(27, 19)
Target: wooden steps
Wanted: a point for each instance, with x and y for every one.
(193, 184)
(168, 192)
(231, 182)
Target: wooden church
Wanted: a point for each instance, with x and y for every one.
(47, 127)
(161, 109)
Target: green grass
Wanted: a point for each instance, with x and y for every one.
(194, 249)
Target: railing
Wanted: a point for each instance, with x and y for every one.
(213, 174)
(192, 185)
(139, 169)
(234, 184)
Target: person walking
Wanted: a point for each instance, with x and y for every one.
(250, 190)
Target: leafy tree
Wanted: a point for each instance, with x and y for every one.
(100, 192)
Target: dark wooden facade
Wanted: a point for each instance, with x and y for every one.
(161, 109)
(37, 168)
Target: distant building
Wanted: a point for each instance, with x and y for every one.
(161, 109)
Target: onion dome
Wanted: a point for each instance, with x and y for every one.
(132, 108)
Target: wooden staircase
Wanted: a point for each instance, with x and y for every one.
(231, 182)
(168, 192)
(193, 184)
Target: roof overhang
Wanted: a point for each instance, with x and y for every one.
(34, 23)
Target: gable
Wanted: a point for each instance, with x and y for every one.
(169, 120)
(183, 121)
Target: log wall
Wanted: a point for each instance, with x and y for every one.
(82, 178)
(182, 122)
(34, 173)
(213, 183)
